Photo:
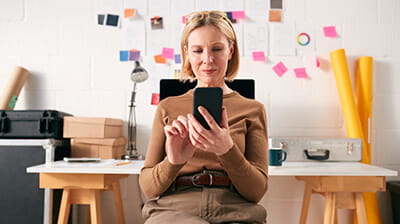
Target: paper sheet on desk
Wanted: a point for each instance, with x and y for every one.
(63, 164)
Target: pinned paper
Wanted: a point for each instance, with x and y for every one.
(167, 53)
(160, 59)
(238, 15)
(258, 56)
(300, 72)
(177, 58)
(275, 15)
(184, 19)
(155, 99)
(123, 55)
(100, 19)
(230, 17)
(177, 73)
(280, 69)
(330, 31)
(156, 22)
(134, 55)
(129, 13)
(112, 20)
(276, 4)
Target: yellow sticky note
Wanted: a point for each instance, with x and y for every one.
(128, 13)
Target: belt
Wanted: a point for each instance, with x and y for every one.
(203, 180)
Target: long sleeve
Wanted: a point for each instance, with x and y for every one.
(157, 174)
(250, 169)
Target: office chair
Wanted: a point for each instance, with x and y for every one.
(173, 87)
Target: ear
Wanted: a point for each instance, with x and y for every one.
(231, 49)
(185, 49)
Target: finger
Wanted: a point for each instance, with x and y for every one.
(179, 126)
(198, 132)
(224, 118)
(169, 130)
(183, 120)
(207, 116)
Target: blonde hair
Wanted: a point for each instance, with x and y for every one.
(223, 24)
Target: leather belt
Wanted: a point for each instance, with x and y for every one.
(203, 180)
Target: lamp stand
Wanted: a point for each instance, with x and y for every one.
(132, 153)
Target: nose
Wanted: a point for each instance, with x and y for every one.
(207, 57)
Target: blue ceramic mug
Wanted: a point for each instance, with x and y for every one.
(276, 157)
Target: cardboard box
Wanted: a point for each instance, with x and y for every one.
(92, 127)
(104, 148)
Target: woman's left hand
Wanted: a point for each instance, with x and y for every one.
(217, 140)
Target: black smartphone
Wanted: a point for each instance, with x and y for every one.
(211, 99)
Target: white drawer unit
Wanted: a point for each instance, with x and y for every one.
(318, 149)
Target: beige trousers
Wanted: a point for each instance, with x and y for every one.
(201, 206)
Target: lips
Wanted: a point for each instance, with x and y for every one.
(208, 71)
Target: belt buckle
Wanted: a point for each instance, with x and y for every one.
(195, 177)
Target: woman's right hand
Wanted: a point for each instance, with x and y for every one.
(179, 149)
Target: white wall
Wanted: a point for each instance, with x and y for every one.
(75, 67)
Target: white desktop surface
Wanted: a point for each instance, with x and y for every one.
(329, 169)
(108, 166)
(287, 169)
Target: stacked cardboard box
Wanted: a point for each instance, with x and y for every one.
(95, 137)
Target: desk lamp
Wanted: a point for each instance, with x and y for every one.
(139, 74)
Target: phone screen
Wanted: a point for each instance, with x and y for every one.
(211, 99)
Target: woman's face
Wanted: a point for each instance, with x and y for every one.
(208, 52)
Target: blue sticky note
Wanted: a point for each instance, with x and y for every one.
(123, 55)
(177, 58)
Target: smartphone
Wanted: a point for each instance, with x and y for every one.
(211, 99)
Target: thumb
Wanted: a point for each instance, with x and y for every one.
(224, 118)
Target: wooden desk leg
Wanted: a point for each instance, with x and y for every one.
(306, 204)
(360, 208)
(95, 206)
(330, 208)
(118, 202)
(64, 207)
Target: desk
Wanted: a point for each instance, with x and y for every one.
(82, 183)
(342, 184)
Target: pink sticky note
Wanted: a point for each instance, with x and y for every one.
(167, 53)
(300, 72)
(312, 62)
(330, 31)
(155, 98)
(183, 19)
(238, 15)
(258, 56)
(280, 69)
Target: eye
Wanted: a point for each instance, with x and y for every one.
(217, 49)
(197, 51)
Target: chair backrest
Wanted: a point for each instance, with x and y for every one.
(173, 87)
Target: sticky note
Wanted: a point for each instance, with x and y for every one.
(177, 58)
(167, 53)
(238, 15)
(330, 31)
(177, 73)
(134, 55)
(112, 20)
(155, 98)
(159, 59)
(275, 15)
(230, 17)
(276, 4)
(183, 19)
(300, 72)
(258, 56)
(123, 55)
(280, 69)
(128, 13)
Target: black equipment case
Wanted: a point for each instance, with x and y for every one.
(31, 124)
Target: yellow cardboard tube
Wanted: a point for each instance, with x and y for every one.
(364, 99)
(353, 124)
(346, 96)
(13, 88)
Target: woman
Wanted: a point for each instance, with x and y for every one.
(195, 175)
